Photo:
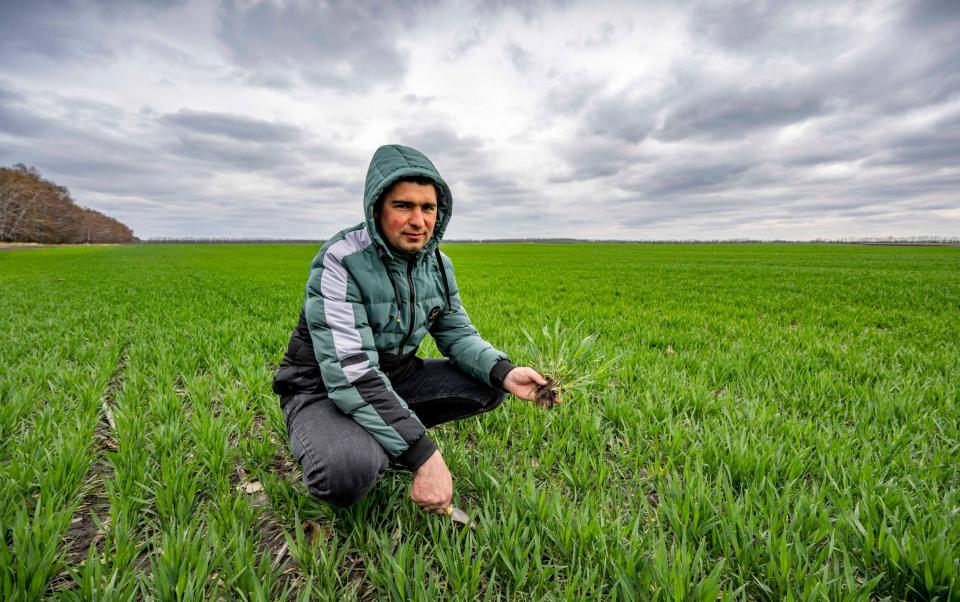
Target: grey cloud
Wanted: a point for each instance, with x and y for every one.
(486, 16)
(492, 184)
(939, 147)
(52, 30)
(310, 174)
(933, 13)
(736, 113)
(233, 126)
(770, 30)
(16, 118)
(859, 208)
(572, 93)
(697, 178)
(717, 215)
(831, 205)
(342, 45)
(819, 156)
(68, 31)
(229, 154)
(122, 9)
(109, 169)
(590, 170)
(9, 95)
(669, 178)
(530, 10)
(415, 99)
(737, 24)
(679, 210)
(596, 157)
(880, 81)
(323, 183)
(230, 142)
(441, 143)
(623, 117)
(603, 36)
(465, 41)
(694, 105)
(521, 59)
(895, 190)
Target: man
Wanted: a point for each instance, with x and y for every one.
(355, 396)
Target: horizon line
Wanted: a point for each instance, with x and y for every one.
(924, 239)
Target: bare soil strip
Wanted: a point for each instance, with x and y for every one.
(92, 515)
(271, 542)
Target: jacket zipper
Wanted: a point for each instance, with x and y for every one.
(413, 306)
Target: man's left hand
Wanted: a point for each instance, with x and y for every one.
(524, 383)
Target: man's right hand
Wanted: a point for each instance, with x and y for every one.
(525, 383)
(432, 487)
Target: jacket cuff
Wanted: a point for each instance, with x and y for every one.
(417, 454)
(499, 372)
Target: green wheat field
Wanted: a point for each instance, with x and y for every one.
(780, 423)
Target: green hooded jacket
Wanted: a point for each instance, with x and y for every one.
(368, 305)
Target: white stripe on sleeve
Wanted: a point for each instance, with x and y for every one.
(337, 310)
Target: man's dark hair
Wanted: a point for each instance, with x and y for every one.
(421, 180)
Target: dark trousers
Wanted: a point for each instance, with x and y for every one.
(341, 461)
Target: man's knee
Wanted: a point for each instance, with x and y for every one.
(345, 481)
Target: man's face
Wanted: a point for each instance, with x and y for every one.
(407, 215)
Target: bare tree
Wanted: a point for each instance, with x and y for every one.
(33, 209)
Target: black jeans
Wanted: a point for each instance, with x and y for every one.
(341, 461)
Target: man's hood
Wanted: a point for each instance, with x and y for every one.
(390, 163)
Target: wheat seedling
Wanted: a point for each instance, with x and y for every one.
(568, 361)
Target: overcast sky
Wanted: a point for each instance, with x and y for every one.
(616, 120)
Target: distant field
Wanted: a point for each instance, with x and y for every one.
(783, 423)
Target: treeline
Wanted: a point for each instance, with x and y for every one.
(204, 240)
(33, 209)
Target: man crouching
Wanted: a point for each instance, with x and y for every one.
(355, 396)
